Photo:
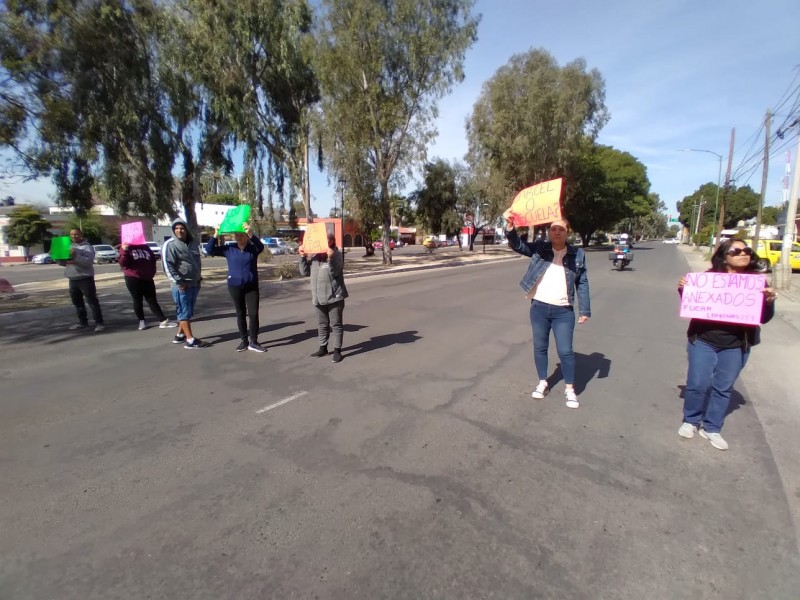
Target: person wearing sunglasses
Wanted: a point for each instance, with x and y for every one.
(718, 351)
(555, 278)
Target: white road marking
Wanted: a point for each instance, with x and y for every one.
(282, 402)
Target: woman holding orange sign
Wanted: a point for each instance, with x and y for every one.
(555, 278)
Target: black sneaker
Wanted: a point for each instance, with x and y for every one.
(196, 343)
(179, 339)
(323, 351)
(256, 347)
(242, 346)
(337, 355)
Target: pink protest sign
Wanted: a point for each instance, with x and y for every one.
(729, 297)
(132, 233)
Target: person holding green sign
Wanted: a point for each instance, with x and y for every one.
(242, 282)
(79, 269)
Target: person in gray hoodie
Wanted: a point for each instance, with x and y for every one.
(180, 257)
(327, 295)
(79, 269)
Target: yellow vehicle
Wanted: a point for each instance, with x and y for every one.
(769, 251)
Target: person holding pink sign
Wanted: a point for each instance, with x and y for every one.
(718, 351)
(138, 265)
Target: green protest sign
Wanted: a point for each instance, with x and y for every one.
(235, 219)
(60, 247)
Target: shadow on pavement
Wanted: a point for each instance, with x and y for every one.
(381, 341)
(303, 336)
(234, 334)
(587, 366)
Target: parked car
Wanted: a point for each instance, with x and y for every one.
(378, 244)
(769, 253)
(42, 259)
(672, 240)
(155, 248)
(105, 253)
(275, 248)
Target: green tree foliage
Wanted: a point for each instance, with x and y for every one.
(608, 186)
(741, 204)
(531, 121)
(229, 199)
(769, 215)
(437, 196)
(26, 227)
(91, 225)
(382, 67)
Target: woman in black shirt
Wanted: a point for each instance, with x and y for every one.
(718, 351)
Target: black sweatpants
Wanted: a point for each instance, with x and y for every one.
(144, 289)
(85, 288)
(245, 300)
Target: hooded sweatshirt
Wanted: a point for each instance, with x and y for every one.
(138, 261)
(181, 260)
(81, 265)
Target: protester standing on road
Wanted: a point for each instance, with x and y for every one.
(180, 257)
(718, 351)
(555, 275)
(80, 272)
(139, 267)
(242, 283)
(327, 295)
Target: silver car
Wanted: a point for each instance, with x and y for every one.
(105, 253)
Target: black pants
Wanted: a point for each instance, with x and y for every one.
(245, 300)
(85, 288)
(144, 289)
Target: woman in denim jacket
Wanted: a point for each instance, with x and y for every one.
(556, 273)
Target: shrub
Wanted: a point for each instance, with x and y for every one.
(286, 270)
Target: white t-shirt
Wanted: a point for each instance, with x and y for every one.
(552, 287)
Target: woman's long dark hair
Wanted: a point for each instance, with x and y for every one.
(718, 262)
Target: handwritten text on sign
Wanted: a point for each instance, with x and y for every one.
(729, 297)
(540, 203)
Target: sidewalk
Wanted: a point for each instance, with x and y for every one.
(47, 299)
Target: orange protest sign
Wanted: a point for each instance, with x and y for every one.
(315, 239)
(540, 203)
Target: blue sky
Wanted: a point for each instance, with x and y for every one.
(679, 74)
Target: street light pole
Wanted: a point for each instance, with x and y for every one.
(716, 200)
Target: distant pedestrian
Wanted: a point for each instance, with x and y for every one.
(80, 272)
(242, 283)
(718, 351)
(328, 293)
(555, 278)
(139, 268)
(180, 257)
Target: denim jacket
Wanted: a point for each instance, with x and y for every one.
(541, 253)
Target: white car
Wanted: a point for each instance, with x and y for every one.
(105, 253)
(155, 248)
(42, 259)
(672, 241)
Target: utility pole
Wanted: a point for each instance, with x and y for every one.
(721, 222)
(784, 274)
(764, 174)
(699, 218)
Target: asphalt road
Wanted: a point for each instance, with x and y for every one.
(419, 467)
(29, 273)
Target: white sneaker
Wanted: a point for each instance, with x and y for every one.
(687, 430)
(572, 399)
(540, 391)
(715, 438)
(142, 325)
(99, 328)
(167, 324)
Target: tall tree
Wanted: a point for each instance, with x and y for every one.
(382, 67)
(741, 204)
(531, 120)
(606, 186)
(437, 196)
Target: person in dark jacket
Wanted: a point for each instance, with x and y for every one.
(180, 257)
(80, 272)
(139, 267)
(242, 283)
(328, 293)
(718, 351)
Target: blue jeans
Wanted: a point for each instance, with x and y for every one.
(715, 370)
(561, 319)
(184, 302)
